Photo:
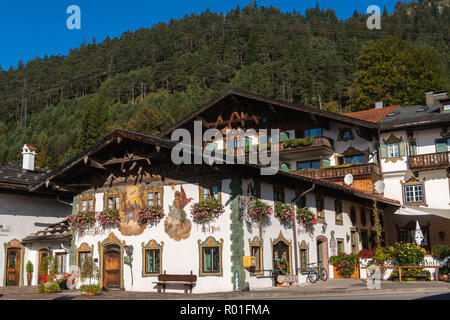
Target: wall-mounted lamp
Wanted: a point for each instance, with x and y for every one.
(324, 227)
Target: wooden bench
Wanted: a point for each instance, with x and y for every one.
(188, 280)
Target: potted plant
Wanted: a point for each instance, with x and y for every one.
(306, 217)
(29, 269)
(149, 215)
(284, 212)
(89, 271)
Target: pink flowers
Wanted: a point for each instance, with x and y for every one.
(206, 210)
(306, 217)
(82, 220)
(284, 212)
(109, 218)
(259, 210)
(149, 214)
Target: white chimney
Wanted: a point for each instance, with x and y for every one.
(379, 105)
(28, 153)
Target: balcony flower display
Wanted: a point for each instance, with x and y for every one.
(206, 210)
(149, 215)
(109, 218)
(306, 217)
(259, 211)
(82, 220)
(284, 212)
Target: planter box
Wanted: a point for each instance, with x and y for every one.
(355, 274)
(88, 294)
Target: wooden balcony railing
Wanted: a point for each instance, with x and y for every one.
(332, 173)
(429, 161)
(298, 144)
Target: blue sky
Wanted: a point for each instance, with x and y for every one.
(36, 28)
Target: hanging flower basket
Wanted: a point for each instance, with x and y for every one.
(284, 212)
(109, 218)
(206, 210)
(306, 217)
(82, 220)
(259, 211)
(149, 215)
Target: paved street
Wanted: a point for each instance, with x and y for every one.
(335, 289)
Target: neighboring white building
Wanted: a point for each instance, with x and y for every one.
(21, 213)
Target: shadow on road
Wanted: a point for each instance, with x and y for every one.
(442, 296)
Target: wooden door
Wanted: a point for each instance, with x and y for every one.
(111, 269)
(320, 253)
(13, 257)
(42, 254)
(354, 241)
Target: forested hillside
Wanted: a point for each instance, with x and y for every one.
(148, 79)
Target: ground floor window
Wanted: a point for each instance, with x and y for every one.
(304, 259)
(340, 246)
(210, 257)
(82, 257)
(152, 261)
(364, 239)
(256, 249)
(61, 257)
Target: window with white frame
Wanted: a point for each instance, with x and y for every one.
(414, 193)
(393, 150)
(114, 203)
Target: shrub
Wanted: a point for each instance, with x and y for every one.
(366, 254)
(109, 218)
(82, 220)
(407, 254)
(440, 251)
(411, 274)
(284, 212)
(259, 211)
(92, 288)
(46, 288)
(301, 142)
(306, 217)
(206, 210)
(149, 215)
(29, 267)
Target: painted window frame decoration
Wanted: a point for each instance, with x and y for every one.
(320, 199)
(86, 197)
(256, 242)
(339, 220)
(342, 134)
(83, 248)
(413, 182)
(14, 244)
(303, 246)
(210, 242)
(340, 243)
(393, 143)
(209, 184)
(152, 245)
(282, 239)
(112, 193)
(158, 191)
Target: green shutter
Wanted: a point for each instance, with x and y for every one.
(383, 151)
(284, 136)
(247, 142)
(441, 145)
(413, 148)
(402, 149)
(285, 167)
(326, 163)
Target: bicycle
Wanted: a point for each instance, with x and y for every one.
(315, 272)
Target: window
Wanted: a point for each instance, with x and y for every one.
(355, 159)
(442, 145)
(364, 239)
(363, 216)
(406, 233)
(393, 150)
(113, 203)
(87, 203)
(210, 257)
(278, 194)
(338, 211)
(320, 207)
(61, 257)
(312, 164)
(340, 246)
(152, 261)
(315, 132)
(154, 198)
(256, 252)
(346, 135)
(211, 192)
(372, 238)
(304, 259)
(414, 193)
(82, 257)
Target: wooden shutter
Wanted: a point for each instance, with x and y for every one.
(402, 149)
(383, 151)
(441, 145)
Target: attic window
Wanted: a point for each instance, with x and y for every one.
(392, 114)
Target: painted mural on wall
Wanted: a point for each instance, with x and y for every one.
(177, 225)
(132, 199)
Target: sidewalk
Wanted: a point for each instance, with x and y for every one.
(330, 287)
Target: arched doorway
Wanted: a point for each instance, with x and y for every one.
(111, 266)
(281, 255)
(41, 255)
(13, 263)
(322, 252)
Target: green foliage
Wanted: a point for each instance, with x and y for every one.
(381, 255)
(89, 270)
(306, 217)
(47, 288)
(345, 264)
(300, 142)
(344, 165)
(49, 265)
(407, 254)
(440, 251)
(284, 212)
(206, 210)
(411, 274)
(149, 121)
(29, 268)
(396, 72)
(92, 288)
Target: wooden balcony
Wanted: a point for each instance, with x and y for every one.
(361, 170)
(429, 161)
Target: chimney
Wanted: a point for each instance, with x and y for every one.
(379, 105)
(432, 98)
(429, 97)
(28, 153)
